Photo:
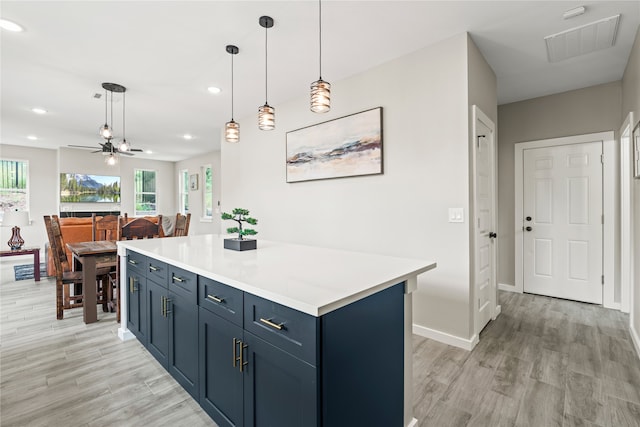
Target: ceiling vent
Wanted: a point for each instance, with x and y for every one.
(583, 39)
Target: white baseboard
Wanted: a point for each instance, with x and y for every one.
(413, 423)
(634, 337)
(497, 312)
(613, 306)
(443, 337)
(125, 334)
(508, 288)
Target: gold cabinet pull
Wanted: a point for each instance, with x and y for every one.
(215, 298)
(132, 285)
(236, 358)
(152, 268)
(164, 305)
(268, 322)
(167, 301)
(243, 346)
(133, 262)
(177, 279)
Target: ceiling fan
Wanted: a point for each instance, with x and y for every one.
(108, 149)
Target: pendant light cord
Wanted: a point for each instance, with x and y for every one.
(320, 36)
(266, 57)
(232, 55)
(111, 115)
(106, 100)
(124, 97)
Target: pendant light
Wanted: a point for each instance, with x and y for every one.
(266, 113)
(232, 128)
(105, 131)
(320, 90)
(124, 145)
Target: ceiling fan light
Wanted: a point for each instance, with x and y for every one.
(232, 131)
(320, 96)
(266, 117)
(124, 146)
(105, 132)
(111, 159)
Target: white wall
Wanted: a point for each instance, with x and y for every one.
(43, 190)
(194, 165)
(631, 103)
(83, 161)
(402, 212)
(46, 165)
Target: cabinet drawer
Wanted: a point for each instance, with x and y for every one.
(286, 328)
(158, 271)
(137, 262)
(183, 283)
(220, 299)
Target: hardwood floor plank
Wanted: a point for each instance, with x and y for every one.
(621, 413)
(542, 405)
(584, 398)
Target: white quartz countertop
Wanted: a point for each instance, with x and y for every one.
(309, 279)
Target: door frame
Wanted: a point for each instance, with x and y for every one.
(626, 203)
(479, 116)
(609, 195)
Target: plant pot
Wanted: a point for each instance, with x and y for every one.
(240, 245)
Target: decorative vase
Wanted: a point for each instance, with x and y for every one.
(16, 241)
(240, 244)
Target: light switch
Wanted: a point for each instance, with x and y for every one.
(456, 214)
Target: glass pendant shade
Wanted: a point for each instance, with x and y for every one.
(266, 117)
(320, 96)
(124, 146)
(232, 131)
(111, 159)
(105, 132)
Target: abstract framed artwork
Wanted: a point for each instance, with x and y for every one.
(343, 147)
(193, 182)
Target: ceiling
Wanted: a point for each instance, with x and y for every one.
(167, 54)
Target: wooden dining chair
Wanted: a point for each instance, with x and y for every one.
(105, 228)
(181, 226)
(65, 277)
(137, 228)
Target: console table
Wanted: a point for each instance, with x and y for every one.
(27, 251)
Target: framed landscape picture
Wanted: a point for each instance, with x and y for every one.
(343, 147)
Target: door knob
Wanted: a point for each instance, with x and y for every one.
(528, 228)
(492, 235)
(528, 218)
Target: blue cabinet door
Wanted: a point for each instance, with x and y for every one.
(279, 389)
(136, 305)
(158, 322)
(183, 342)
(220, 377)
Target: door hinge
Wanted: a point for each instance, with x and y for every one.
(602, 279)
(602, 158)
(602, 219)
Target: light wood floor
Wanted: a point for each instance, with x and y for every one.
(544, 362)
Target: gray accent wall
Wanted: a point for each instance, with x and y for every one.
(590, 110)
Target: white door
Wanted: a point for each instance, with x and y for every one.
(562, 224)
(485, 253)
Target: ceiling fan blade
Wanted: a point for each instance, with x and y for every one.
(81, 146)
(137, 149)
(126, 153)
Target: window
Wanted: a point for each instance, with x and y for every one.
(184, 191)
(207, 192)
(145, 192)
(14, 188)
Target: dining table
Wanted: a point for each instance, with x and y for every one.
(91, 255)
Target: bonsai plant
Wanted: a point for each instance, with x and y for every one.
(240, 243)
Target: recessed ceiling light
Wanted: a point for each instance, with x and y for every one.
(10, 26)
(214, 90)
(32, 137)
(187, 136)
(149, 152)
(39, 110)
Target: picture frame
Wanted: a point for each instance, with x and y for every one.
(635, 138)
(347, 146)
(193, 182)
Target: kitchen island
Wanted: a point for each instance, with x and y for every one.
(282, 335)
